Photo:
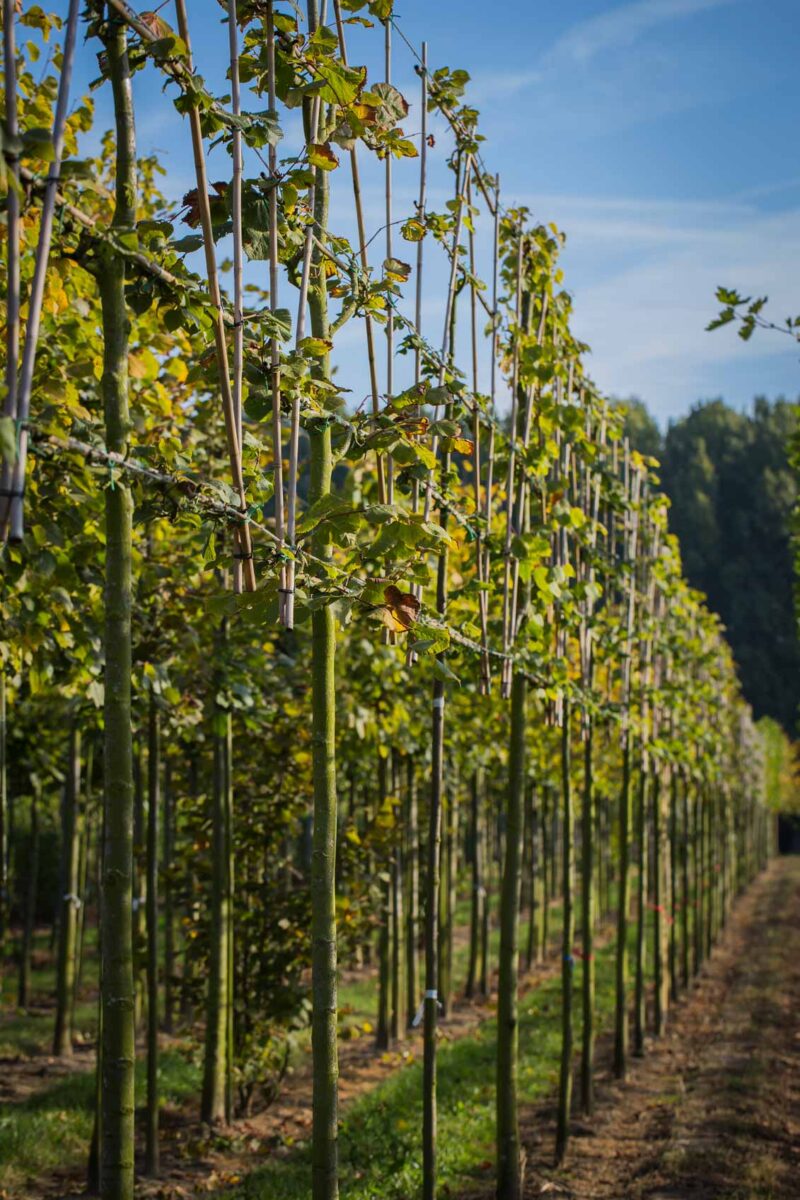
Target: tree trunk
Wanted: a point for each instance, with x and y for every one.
(588, 923)
(3, 827)
(153, 782)
(412, 890)
(660, 926)
(382, 1028)
(476, 906)
(545, 870)
(487, 894)
(432, 880)
(85, 841)
(509, 1181)
(118, 1052)
(215, 1071)
(69, 901)
(674, 904)
(324, 1150)
(446, 910)
(640, 1000)
(168, 853)
(398, 1022)
(29, 919)
(621, 1000)
(685, 889)
(567, 939)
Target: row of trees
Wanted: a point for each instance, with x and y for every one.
(334, 661)
(732, 486)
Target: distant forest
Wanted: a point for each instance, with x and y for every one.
(732, 490)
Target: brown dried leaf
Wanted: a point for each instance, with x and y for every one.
(400, 611)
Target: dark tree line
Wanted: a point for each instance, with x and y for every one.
(732, 490)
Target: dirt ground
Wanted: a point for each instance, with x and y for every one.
(713, 1109)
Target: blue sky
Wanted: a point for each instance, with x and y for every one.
(659, 134)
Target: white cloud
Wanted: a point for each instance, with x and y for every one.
(643, 275)
(609, 34)
(620, 28)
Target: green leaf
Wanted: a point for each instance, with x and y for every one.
(8, 440)
(316, 347)
(412, 230)
(397, 270)
(442, 671)
(321, 155)
(38, 143)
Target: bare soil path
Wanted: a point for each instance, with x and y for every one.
(712, 1112)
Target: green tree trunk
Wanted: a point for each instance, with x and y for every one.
(432, 881)
(674, 903)
(215, 1068)
(487, 911)
(31, 895)
(398, 1022)
(95, 1144)
(324, 1150)
(412, 891)
(153, 788)
(711, 873)
(3, 829)
(139, 919)
(476, 905)
(190, 944)
(640, 998)
(660, 925)
(231, 934)
(446, 910)
(698, 879)
(382, 1025)
(168, 855)
(685, 887)
(545, 870)
(588, 820)
(85, 840)
(509, 1177)
(118, 1051)
(621, 998)
(568, 937)
(69, 901)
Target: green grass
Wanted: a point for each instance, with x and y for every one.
(52, 1128)
(380, 1141)
(31, 1032)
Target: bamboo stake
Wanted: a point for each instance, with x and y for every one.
(12, 486)
(294, 435)
(524, 487)
(492, 384)
(236, 214)
(416, 588)
(448, 312)
(421, 200)
(485, 681)
(507, 616)
(362, 250)
(12, 220)
(389, 254)
(242, 532)
(274, 348)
